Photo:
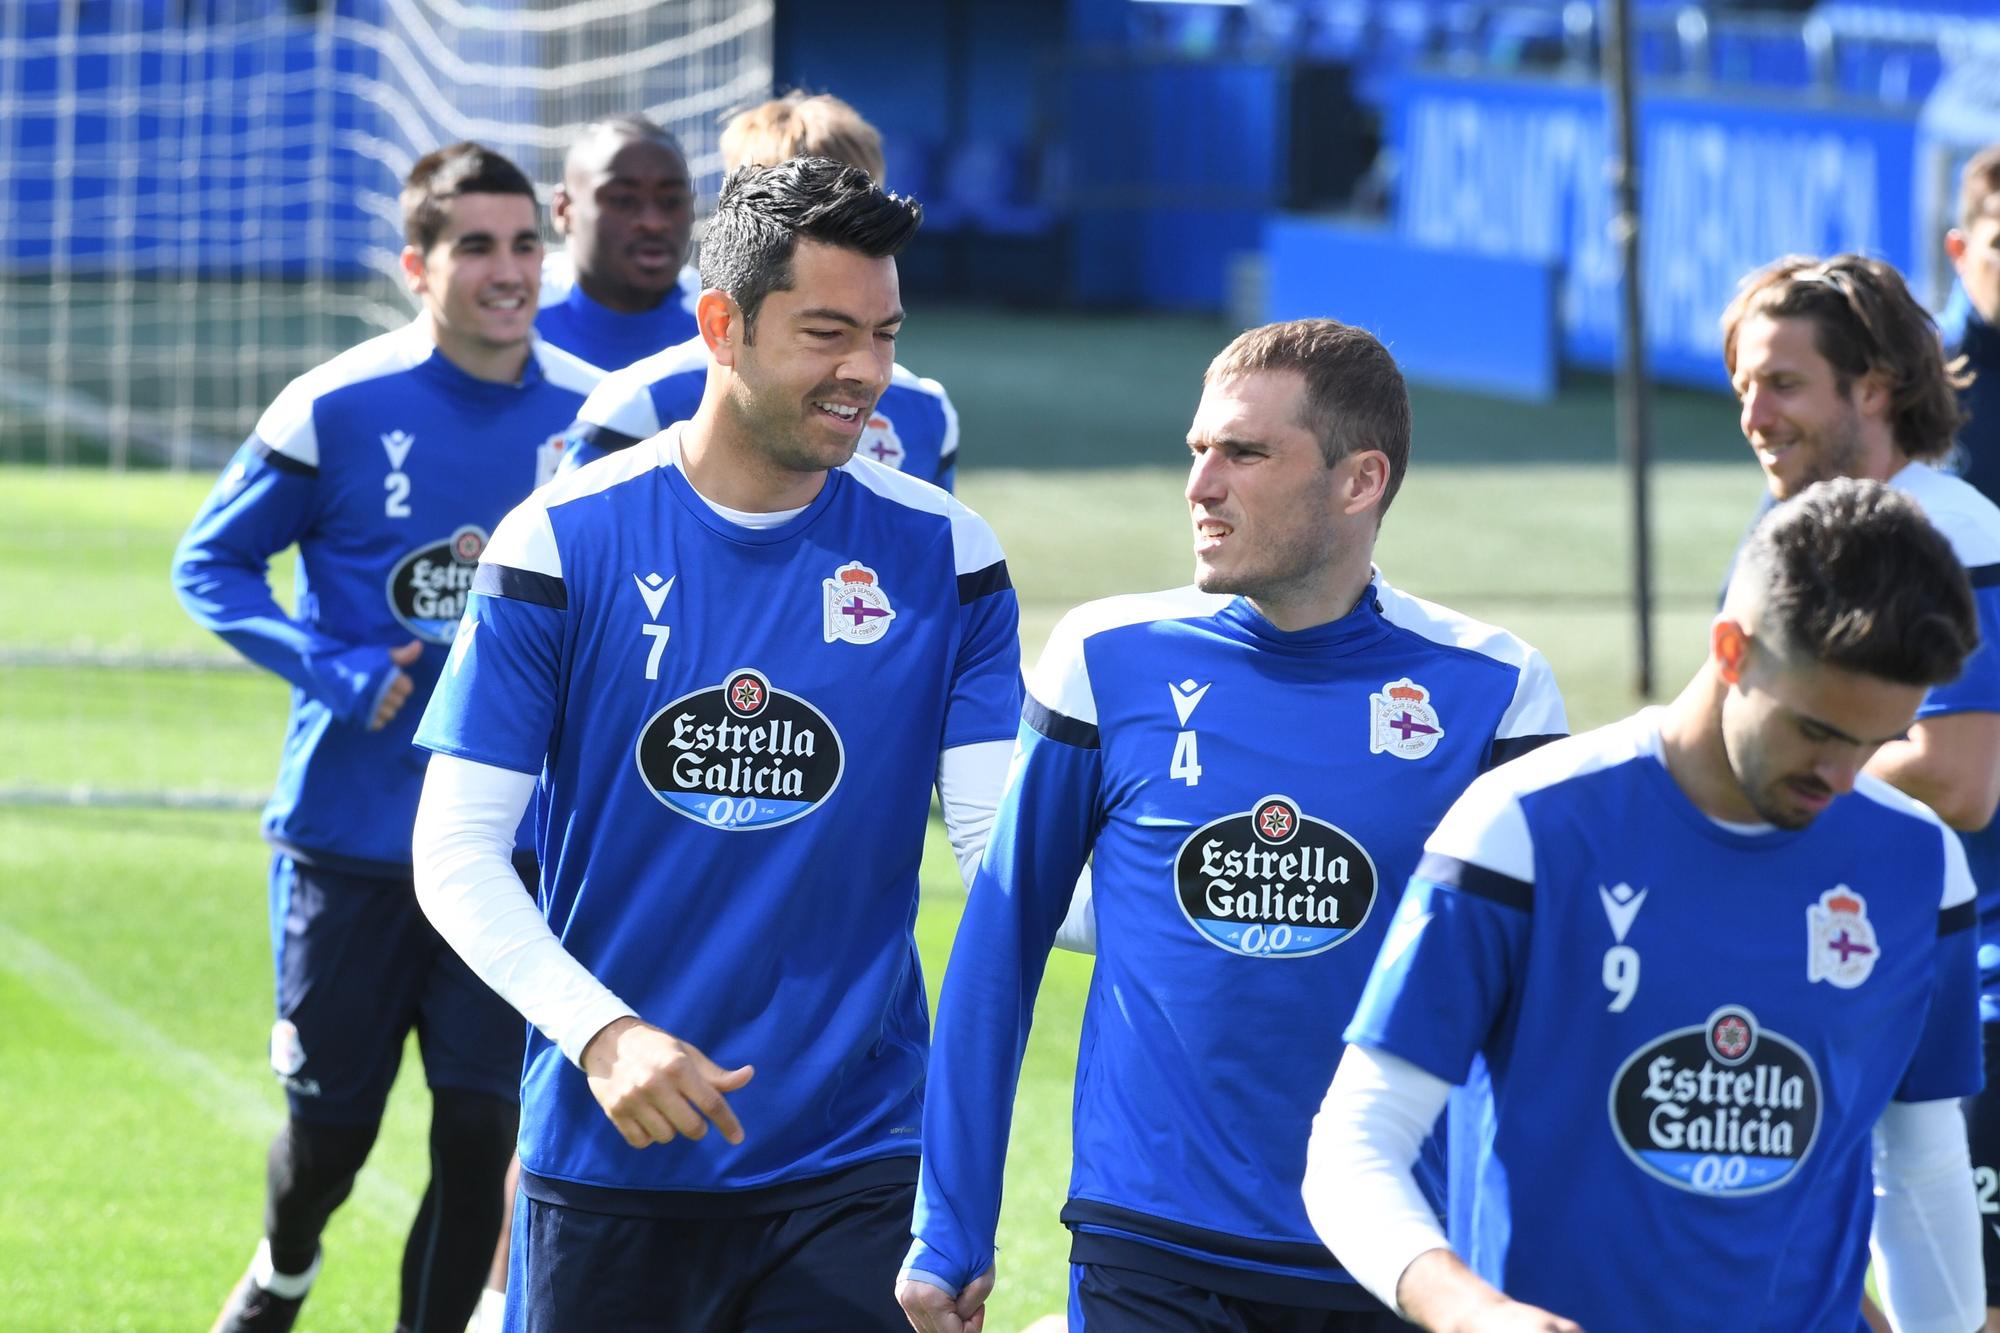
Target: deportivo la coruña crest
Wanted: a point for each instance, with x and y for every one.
(1403, 721)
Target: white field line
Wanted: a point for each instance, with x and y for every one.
(240, 1105)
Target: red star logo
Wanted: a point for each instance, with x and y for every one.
(1732, 1037)
(1276, 821)
(748, 694)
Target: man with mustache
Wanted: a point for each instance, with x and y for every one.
(625, 210)
(914, 427)
(1714, 979)
(728, 666)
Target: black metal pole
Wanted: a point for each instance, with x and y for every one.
(1633, 443)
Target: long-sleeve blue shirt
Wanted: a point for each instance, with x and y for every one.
(387, 467)
(1252, 802)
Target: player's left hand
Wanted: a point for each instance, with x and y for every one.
(931, 1310)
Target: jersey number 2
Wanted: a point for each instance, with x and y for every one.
(397, 505)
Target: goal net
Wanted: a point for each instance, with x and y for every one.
(200, 204)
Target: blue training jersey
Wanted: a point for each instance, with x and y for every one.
(914, 427)
(1971, 523)
(388, 467)
(737, 732)
(606, 337)
(1689, 1029)
(1251, 801)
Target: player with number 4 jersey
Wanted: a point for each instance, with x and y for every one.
(1250, 766)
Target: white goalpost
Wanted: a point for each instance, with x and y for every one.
(203, 192)
(198, 202)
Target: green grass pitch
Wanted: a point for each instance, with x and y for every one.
(134, 971)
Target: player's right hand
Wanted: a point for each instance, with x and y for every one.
(1516, 1317)
(654, 1086)
(931, 1310)
(397, 692)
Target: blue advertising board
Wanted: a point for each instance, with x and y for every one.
(1516, 169)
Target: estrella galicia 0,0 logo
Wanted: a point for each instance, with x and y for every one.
(740, 755)
(1273, 882)
(429, 586)
(1728, 1108)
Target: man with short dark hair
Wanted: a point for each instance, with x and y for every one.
(1841, 374)
(388, 467)
(1707, 968)
(1250, 766)
(737, 657)
(625, 211)
(914, 427)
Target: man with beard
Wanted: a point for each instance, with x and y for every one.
(1840, 374)
(1687, 1097)
(914, 427)
(625, 210)
(1250, 766)
(728, 666)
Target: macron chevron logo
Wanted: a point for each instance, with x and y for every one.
(1187, 695)
(655, 591)
(1621, 906)
(397, 443)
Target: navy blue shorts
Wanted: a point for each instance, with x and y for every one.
(358, 967)
(826, 1267)
(1103, 1299)
(1982, 1132)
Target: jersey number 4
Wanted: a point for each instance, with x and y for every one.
(1186, 764)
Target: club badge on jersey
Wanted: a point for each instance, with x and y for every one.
(1841, 948)
(855, 607)
(880, 442)
(429, 586)
(1402, 721)
(1272, 881)
(1726, 1109)
(741, 754)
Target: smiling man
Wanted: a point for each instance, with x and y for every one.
(1250, 766)
(1714, 979)
(1841, 374)
(737, 658)
(388, 467)
(914, 427)
(625, 210)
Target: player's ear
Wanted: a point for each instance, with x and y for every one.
(1367, 480)
(559, 209)
(1954, 245)
(721, 324)
(412, 263)
(1871, 395)
(1729, 645)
